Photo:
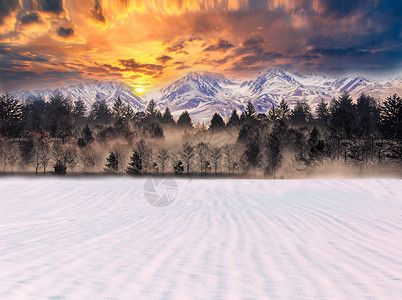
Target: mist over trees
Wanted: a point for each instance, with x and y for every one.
(62, 136)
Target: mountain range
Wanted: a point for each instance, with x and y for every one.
(203, 94)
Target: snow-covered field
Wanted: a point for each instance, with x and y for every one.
(99, 238)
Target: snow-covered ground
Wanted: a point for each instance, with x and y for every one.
(98, 238)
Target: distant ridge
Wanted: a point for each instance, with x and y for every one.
(202, 94)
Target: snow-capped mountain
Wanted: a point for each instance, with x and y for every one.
(203, 94)
(200, 94)
(89, 92)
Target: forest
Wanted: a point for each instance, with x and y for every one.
(350, 137)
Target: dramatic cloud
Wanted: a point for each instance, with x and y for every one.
(97, 12)
(30, 18)
(148, 42)
(53, 6)
(164, 59)
(221, 45)
(147, 69)
(65, 32)
(6, 7)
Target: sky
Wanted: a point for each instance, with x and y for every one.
(52, 43)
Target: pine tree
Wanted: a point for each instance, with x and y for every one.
(234, 119)
(79, 111)
(322, 113)
(391, 117)
(184, 120)
(135, 164)
(10, 116)
(167, 117)
(100, 112)
(217, 122)
(273, 153)
(283, 110)
(112, 165)
(301, 113)
(87, 135)
(250, 111)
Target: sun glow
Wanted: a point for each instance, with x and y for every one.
(139, 90)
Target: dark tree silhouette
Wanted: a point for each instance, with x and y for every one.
(10, 116)
(391, 117)
(234, 119)
(322, 113)
(301, 113)
(100, 112)
(135, 164)
(167, 117)
(60, 117)
(184, 120)
(217, 122)
(179, 168)
(112, 165)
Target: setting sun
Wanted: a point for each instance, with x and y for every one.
(139, 90)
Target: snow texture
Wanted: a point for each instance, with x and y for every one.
(98, 238)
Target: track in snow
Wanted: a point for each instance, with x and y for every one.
(221, 239)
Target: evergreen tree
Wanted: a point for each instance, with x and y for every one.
(10, 116)
(253, 153)
(367, 115)
(273, 114)
(322, 113)
(184, 120)
(112, 165)
(217, 122)
(87, 135)
(250, 112)
(100, 112)
(34, 115)
(60, 116)
(234, 119)
(135, 164)
(342, 121)
(167, 117)
(391, 117)
(79, 111)
(301, 113)
(283, 110)
(273, 153)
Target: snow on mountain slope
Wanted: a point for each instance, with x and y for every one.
(203, 94)
(88, 92)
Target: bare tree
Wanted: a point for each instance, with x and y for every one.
(44, 154)
(162, 158)
(216, 155)
(10, 155)
(90, 159)
(228, 152)
(70, 157)
(202, 151)
(145, 153)
(187, 154)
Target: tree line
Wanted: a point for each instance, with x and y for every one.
(62, 136)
